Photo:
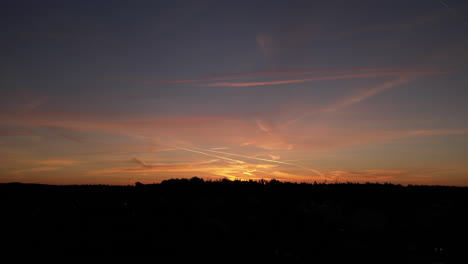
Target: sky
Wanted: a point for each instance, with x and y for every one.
(118, 92)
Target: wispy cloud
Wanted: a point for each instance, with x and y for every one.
(161, 168)
(141, 162)
(216, 156)
(354, 99)
(331, 139)
(273, 72)
(58, 162)
(37, 169)
(231, 171)
(275, 133)
(381, 175)
(265, 160)
(437, 132)
(264, 126)
(146, 165)
(368, 93)
(14, 132)
(266, 44)
(320, 78)
(114, 126)
(77, 139)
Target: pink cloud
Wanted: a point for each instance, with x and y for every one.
(14, 132)
(320, 78)
(381, 176)
(57, 162)
(37, 169)
(274, 72)
(327, 139)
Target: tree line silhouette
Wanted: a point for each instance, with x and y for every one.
(223, 219)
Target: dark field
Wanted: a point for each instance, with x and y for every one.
(233, 220)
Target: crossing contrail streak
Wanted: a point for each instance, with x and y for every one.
(444, 4)
(219, 157)
(267, 160)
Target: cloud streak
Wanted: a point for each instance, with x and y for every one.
(267, 160)
(58, 162)
(231, 171)
(354, 99)
(321, 78)
(146, 165)
(37, 169)
(274, 72)
(14, 132)
(369, 93)
(381, 175)
(330, 139)
(219, 157)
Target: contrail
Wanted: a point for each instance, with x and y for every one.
(219, 157)
(454, 12)
(354, 99)
(229, 76)
(267, 160)
(321, 78)
(444, 4)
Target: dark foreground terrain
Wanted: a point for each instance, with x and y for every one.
(232, 220)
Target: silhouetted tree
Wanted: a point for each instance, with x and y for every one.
(196, 180)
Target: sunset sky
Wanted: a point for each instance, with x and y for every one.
(115, 92)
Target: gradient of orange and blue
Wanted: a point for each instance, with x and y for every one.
(114, 92)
